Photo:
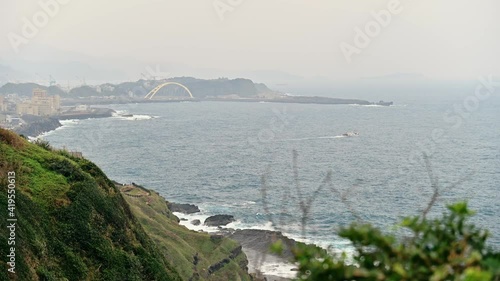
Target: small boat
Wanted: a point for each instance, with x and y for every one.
(350, 134)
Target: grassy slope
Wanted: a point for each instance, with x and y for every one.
(72, 222)
(181, 245)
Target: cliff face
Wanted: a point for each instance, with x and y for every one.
(73, 223)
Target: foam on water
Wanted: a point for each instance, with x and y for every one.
(272, 267)
(186, 220)
(64, 123)
(316, 138)
(118, 113)
(135, 117)
(280, 269)
(369, 105)
(69, 122)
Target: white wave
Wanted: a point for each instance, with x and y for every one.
(316, 138)
(64, 123)
(272, 266)
(186, 220)
(69, 122)
(368, 105)
(43, 135)
(118, 113)
(332, 137)
(239, 225)
(280, 269)
(288, 231)
(245, 203)
(135, 117)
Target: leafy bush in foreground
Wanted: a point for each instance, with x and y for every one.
(448, 248)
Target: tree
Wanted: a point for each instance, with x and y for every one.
(447, 248)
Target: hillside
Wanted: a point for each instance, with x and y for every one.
(26, 89)
(196, 255)
(73, 223)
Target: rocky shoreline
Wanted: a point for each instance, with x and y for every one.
(36, 125)
(256, 243)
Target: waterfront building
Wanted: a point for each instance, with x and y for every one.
(3, 104)
(41, 104)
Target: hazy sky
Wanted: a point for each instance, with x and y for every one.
(446, 39)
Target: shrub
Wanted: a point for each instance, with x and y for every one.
(43, 144)
(64, 167)
(448, 248)
(11, 138)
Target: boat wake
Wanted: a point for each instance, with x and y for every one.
(347, 135)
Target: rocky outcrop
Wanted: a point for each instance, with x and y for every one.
(219, 220)
(92, 113)
(183, 208)
(36, 127)
(195, 222)
(261, 240)
(234, 253)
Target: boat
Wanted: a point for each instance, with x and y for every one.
(350, 134)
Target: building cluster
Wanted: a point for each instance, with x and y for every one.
(41, 104)
(3, 110)
(3, 104)
(13, 107)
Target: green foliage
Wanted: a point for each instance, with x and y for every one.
(43, 144)
(72, 223)
(180, 245)
(448, 248)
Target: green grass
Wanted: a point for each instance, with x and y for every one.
(179, 244)
(73, 224)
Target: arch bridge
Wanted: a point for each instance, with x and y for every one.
(153, 92)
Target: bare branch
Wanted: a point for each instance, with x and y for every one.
(434, 185)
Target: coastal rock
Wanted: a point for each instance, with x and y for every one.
(261, 240)
(234, 253)
(219, 220)
(195, 222)
(183, 208)
(36, 125)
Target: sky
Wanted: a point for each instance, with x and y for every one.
(445, 39)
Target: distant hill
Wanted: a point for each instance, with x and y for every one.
(200, 88)
(26, 89)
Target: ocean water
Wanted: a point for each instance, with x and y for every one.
(217, 154)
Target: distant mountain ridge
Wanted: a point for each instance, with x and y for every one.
(200, 88)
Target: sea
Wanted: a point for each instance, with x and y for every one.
(291, 167)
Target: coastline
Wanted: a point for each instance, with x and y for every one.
(284, 99)
(42, 126)
(152, 208)
(255, 241)
(37, 127)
